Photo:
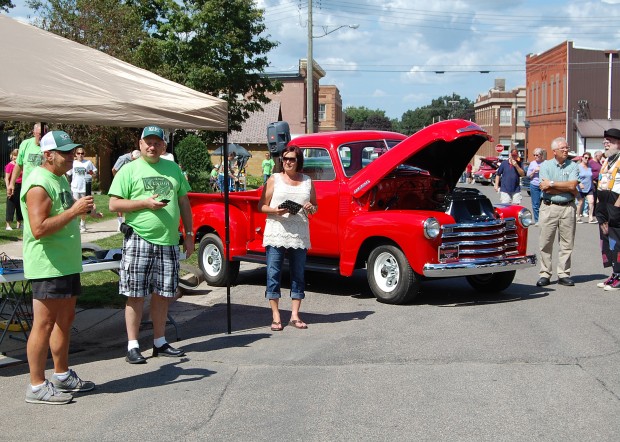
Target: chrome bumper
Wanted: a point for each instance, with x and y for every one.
(477, 267)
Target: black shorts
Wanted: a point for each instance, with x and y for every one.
(59, 287)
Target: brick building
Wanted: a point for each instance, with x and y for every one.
(330, 115)
(502, 114)
(573, 93)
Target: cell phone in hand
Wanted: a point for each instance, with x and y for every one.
(166, 201)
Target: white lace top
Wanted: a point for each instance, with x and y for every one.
(290, 231)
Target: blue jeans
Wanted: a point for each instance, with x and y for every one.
(535, 194)
(297, 264)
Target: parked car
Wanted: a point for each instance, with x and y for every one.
(485, 174)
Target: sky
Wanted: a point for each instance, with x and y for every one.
(390, 62)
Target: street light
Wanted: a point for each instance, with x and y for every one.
(309, 67)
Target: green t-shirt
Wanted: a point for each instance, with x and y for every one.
(29, 157)
(268, 166)
(140, 180)
(60, 253)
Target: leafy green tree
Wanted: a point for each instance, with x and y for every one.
(363, 118)
(378, 122)
(5, 5)
(110, 26)
(213, 46)
(441, 108)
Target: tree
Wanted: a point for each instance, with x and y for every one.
(363, 118)
(378, 122)
(110, 26)
(442, 108)
(193, 155)
(5, 5)
(213, 46)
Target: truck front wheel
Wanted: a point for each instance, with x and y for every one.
(217, 270)
(491, 282)
(391, 278)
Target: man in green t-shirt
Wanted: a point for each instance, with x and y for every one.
(28, 157)
(52, 263)
(267, 165)
(153, 194)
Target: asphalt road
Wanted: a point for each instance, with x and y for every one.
(528, 364)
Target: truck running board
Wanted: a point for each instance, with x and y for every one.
(312, 264)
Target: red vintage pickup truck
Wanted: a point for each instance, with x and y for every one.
(388, 203)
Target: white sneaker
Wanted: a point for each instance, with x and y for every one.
(9, 228)
(82, 229)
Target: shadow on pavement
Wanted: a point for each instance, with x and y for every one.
(165, 375)
(248, 317)
(449, 293)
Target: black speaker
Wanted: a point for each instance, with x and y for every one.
(278, 136)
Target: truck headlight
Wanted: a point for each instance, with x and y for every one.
(525, 217)
(431, 228)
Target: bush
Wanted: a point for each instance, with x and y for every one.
(253, 182)
(193, 156)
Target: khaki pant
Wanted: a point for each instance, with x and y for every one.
(560, 219)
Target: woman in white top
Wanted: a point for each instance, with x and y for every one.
(287, 232)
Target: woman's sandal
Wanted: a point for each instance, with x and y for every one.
(276, 326)
(298, 323)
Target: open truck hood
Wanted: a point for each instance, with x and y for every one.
(442, 149)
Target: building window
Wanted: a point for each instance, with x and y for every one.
(557, 92)
(321, 112)
(505, 114)
(520, 116)
(551, 91)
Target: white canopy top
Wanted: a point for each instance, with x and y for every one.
(44, 77)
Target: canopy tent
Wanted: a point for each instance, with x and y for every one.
(49, 78)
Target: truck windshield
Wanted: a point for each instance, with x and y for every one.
(355, 156)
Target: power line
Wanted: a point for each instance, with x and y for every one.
(481, 23)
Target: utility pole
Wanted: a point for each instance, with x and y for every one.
(309, 77)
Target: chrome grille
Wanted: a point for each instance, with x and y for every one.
(490, 239)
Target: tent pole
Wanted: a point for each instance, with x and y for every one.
(227, 227)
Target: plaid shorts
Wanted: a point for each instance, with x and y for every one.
(148, 268)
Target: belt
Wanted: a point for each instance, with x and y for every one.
(565, 203)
